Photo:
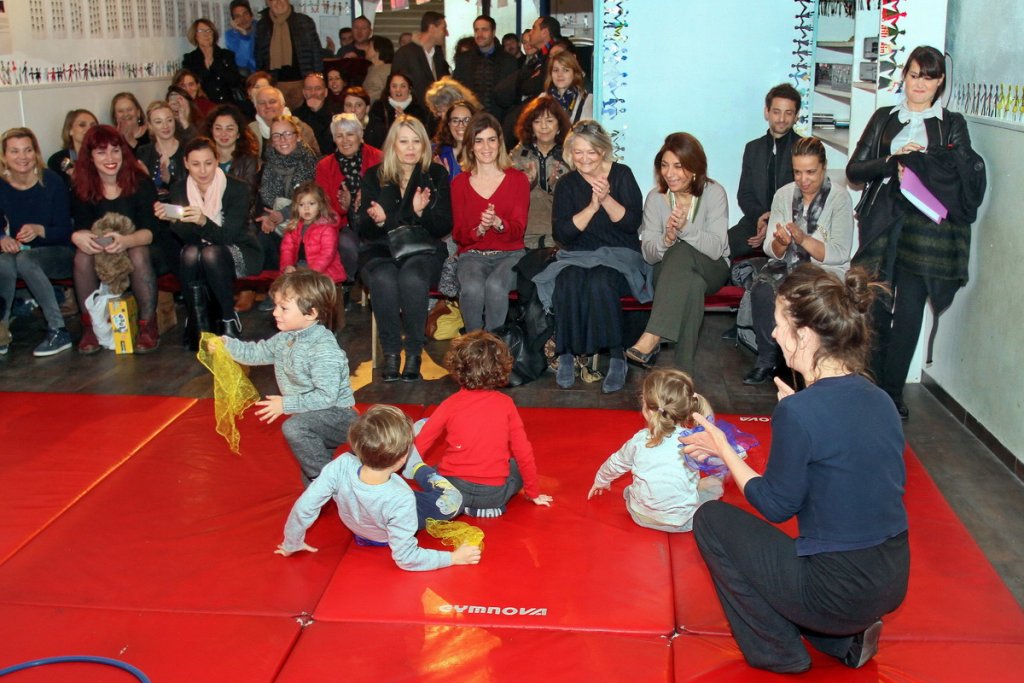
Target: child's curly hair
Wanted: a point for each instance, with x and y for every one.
(479, 360)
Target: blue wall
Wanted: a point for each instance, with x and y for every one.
(703, 68)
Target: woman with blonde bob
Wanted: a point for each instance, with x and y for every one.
(490, 204)
(836, 464)
(595, 216)
(409, 195)
(564, 82)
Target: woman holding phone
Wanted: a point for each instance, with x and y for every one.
(209, 213)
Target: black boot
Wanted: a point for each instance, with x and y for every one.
(411, 371)
(232, 327)
(197, 318)
(390, 371)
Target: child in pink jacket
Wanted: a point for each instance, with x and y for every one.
(311, 240)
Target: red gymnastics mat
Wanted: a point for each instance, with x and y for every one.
(440, 653)
(183, 525)
(166, 646)
(717, 659)
(580, 565)
(55, 447)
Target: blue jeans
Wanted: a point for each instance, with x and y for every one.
(438, 499)
(484, 283)
(36, 267)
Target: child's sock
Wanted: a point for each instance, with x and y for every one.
(485, 512)
(450, 499)
(414, 455)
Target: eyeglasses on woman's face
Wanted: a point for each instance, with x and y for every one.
(285, 135)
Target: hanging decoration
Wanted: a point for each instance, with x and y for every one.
(614, 43)
(803, 62)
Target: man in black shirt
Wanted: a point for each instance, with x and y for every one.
(767, 166)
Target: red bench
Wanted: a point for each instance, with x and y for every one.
(727, 299)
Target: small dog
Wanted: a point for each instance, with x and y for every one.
(114, 269)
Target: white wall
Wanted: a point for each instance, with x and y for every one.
(979, 360)
(978, 357)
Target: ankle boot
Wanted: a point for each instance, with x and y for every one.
(197, 318)
(411, 371)
(232, 327)
(390, 371)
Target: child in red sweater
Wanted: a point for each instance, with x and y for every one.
(487, 455)
(311, 239)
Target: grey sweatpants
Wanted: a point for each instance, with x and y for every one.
(313, 436)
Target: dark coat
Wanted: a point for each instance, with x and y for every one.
(436, 218)
(754, 195)
(307, 53)
(871, 164)
(234, 228)
(220, 78)
(411, 60)
(481, 73)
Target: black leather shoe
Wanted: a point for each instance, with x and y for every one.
(758, 375)
(902, 409)
(646, 360)
(731, 334)
(411, 371)
(863, 647)
(389, 373)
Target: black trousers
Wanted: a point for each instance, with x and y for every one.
(401, 293)
(897, 343)
(772, 597)
(762, 307)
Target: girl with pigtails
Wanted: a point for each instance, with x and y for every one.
(665, 492)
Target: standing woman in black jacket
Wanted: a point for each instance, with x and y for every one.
(921, 259)
(218, 74)
(406, 189)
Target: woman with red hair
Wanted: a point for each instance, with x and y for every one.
(108, 179)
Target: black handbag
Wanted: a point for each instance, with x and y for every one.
(410, 240)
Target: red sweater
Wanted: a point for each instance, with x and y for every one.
(321, 244)
(482, 431)
(511, 204)
(329, 177)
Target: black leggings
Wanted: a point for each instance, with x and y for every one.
(213, 266)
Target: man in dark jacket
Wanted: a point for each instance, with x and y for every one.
(317, 111)
(287, 54)
(767, 166)
(423, 60)
(481, 69)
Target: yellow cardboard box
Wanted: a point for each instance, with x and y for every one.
(124, 321)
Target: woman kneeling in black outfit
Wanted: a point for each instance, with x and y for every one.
(836, 463)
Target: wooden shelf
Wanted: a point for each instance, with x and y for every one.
(838, 138)
(836, 44)
(867, 86)
(830, 92)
